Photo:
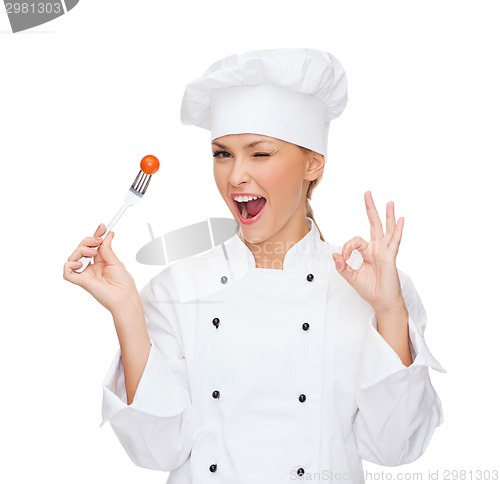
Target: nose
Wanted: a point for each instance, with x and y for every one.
(239, 173)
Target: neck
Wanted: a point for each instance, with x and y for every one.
(270, 254)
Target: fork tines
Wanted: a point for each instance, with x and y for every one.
(141, 183)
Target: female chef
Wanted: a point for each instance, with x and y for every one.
(269, 358)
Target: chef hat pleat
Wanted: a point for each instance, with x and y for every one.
(289, 94)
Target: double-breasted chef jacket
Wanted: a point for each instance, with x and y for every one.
(268, 376)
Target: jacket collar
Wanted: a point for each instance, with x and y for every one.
(309, 254)
(205, 274)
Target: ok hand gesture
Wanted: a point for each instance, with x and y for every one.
(377, 280)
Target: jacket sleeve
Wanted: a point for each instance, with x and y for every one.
(156, 429)
(398, 408)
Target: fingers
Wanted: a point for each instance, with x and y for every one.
(106, 252)
(376, 230)
(344, 269)
(398, 234)
(100, 230)
(69, 274)
(86, 248)
(393, 232)
(356, 243)
(390, 221)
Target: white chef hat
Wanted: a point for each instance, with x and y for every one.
(289, 94)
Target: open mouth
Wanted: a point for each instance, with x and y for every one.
(252, 208)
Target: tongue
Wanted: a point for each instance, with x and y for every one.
(255, 206)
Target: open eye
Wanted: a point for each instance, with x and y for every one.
(221, 154)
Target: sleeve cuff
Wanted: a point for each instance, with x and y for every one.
(376, 349)
(159, 392)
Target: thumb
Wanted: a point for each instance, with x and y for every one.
(343, 268)
(106, 252)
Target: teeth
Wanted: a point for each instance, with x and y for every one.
(245, 198)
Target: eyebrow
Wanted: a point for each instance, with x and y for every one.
(249, 145)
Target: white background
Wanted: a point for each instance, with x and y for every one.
(85, 97)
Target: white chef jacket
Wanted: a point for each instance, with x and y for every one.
(268, 376)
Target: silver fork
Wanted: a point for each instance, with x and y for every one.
(132, 197)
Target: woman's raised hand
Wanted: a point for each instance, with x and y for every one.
(106, 279)
(376, 280)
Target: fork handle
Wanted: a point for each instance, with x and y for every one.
(86, 260)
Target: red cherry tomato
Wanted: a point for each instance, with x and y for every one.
(150, 164)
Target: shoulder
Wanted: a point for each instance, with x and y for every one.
(189, 278)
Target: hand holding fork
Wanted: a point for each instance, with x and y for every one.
(107, 269)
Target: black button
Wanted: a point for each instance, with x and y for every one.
(223, 279)
(310, 277)
(216, 394)
(300, 471)
(302, 398)
(305, 326)
(216, 322)
(213, 467)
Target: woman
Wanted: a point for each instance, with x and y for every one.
(268, 358)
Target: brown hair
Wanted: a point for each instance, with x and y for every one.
(310, 189)
(309, 210)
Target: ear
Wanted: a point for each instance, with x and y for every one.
(314, 167)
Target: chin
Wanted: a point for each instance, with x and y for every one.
(255, 240)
